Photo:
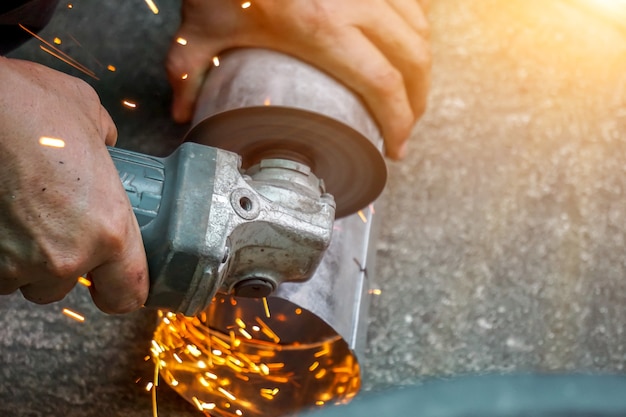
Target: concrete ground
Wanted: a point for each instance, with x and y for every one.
(502, 239)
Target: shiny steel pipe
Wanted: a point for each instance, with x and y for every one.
(250, 77)
(317, 328)
(263, 104)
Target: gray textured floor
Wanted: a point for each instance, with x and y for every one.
(502, 246)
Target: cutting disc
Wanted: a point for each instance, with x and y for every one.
(352, 168)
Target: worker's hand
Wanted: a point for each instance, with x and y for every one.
(63, 210)
(379, 48)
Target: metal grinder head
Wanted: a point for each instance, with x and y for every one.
(263, 104)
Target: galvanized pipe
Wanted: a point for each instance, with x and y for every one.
(335, 300)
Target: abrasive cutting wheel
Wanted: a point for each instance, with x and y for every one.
(351, 167)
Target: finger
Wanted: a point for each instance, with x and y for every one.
(10, 284)
(186, 69)
(48, 290)
(359, 64)
(412, 13)
(405, 50)
(120, 284)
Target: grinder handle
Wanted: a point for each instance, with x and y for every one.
(143, 178)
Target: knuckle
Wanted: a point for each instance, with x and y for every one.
(388, 82)
(63, 266)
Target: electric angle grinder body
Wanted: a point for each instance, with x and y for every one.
(277, 151)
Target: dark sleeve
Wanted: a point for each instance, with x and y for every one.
(33, 14)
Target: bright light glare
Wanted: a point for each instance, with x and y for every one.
(52, 142)
(152, 6)
(608, 6)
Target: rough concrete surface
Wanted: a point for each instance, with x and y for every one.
(502, 239)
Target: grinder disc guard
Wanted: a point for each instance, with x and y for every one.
(352, 168)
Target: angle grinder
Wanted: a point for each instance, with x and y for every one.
(277, 150)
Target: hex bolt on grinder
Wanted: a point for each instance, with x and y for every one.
(245, 209)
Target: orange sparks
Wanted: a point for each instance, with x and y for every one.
(266, 307)
(152, 6)
(246, 4)
(111, 68)
(376, 291)
(267, 102)
(84, 281)
(245, 334)
(51, 142)
(362, 216)
(321, 353)
(181, 41)
(184, 76)
(240, 323)
(216, 61)
(227, 394)
(156, 384)
(70, 6)
(57, 53)
(314, 366)
(298, 311)
(57, 41)
(129, 104)
(73, 315)
(267, 331)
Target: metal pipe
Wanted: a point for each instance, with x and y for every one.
(317, 329)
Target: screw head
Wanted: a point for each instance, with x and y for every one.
(253, 288)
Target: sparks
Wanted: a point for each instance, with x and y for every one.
(227, 394)
(184, 76)
(246, 4)
(57, 41)
(375, 291)
(216, 61)
(152, 6)
(240, 323)
(72, 314)
(111, 68)
(362, 216)
(129, 104)
(245, 334)
(181, 41)
(84, 281)
(267, 102)
(57, 53)
(154, 394)
(149, 386)
(266, 307)
(51, 142)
